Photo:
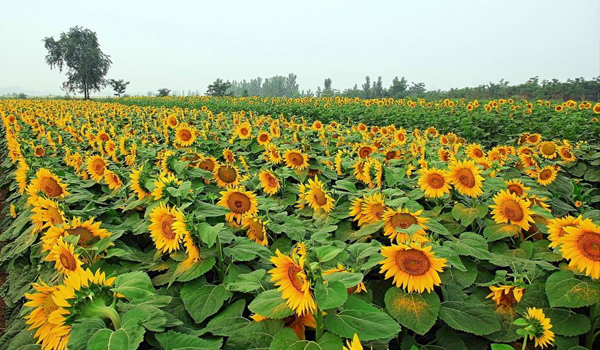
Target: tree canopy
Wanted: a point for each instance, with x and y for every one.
(78, 52)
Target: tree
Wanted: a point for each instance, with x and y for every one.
(327, 89)
(378, 89)
(398, 88)
(219, 88)
(119, 86)
(79, 52)
(164, 92)
(367, 88)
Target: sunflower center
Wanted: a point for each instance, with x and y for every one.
(86, 237)
(478, 153)
(49, 305)
(365, 152)
(319, 196)
(238, 203)
(390, 155)
(413, 262)
(271, 181)
(50, 187)
(166, 226)
(465, 177)
(508, 299)
(378, 210)
(512, 210)
(104, 137)
(264, 137)
(68, 261)
(436, 180)
(566, 154)
(98, 166)
(185, 135)
(244, 131)
(227, 174)
(54, 216)
(207, 165)
(403, 220)
(545, 174)
(589, 245)
(549, 148)
(256, 230)
(515, 189)
(294, 279)
(40, 151)
(296, 158)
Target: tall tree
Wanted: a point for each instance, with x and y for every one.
(398, 88)
(367, 87)
(164, 92)
(119, 86)
(219, 88)
(79, 52)
(327, 89)
(378, 89)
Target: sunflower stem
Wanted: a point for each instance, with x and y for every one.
(590, 336)
(98, 309)
(319, 323)
(220, 257)
(524, 342)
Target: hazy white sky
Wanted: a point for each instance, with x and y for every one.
(185, 45)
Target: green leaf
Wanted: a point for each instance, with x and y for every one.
(565, 289)
(467, 215)
(327, 253)
(494, 231)
(346, 185)
(463, 279)
(208, 234)
(185, 273)
(470, 316)
(331, 295)
(172, 340)
(135, 286)
(202, 300)
(83, 330)
(208, 210)
(501, 347)
(349, 280)
(470, 244)
(287, 339)
(418, 312)
(435, 226)
(567, 323)
(247, 282)
(245, 250)
(271, 305)
(106, 339)
(362, 318)
(228, 321)
(293, 227)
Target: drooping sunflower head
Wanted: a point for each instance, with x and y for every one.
(269, 182)
(290, 278)
(373, 208)
(295, 159)
(508, 208)
(546, 175)
(581, 246)
(256, 229)
(64, 257)
(207, 163)
(537, 320)
(240, 202)
(167, 228)
(434, 182)
(138, 182)
(112, 180)
(226, 175)
(46, 213)
(556, 228)
(466, 178)
(404, 219)
(413, 268)
(164, 181)
(517, 187)
(505, 295)
(89, 232)
(316, 196)
(47, 183)
(96, 167)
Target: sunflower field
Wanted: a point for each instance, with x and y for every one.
(152, 223)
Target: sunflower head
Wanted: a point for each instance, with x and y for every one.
(64, 257)
(47, 183)
(316, 196)
(240, 202)
(226, 175)
(435, 183)
(96, 167)
(466, 178)
(538, 327)
(516, 187)
(295, 159)
(185, 135)
(546, 175)
(403, 219)
(505, 295)
(256, 229)
(269, 182)
(508, 208)
(291, 279)
(581, 246)
(167, 228)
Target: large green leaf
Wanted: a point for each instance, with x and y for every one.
(362, 318)
(330, 295)
(202, 300)
(418, 312)
(135, 286)
(270, 304)
(567, 322)
(172, 340)
(247, 282)
(287, 339)
(565, 289)
(470, 316)
(466, 215)
(469, 244)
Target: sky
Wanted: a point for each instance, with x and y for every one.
(185, 45)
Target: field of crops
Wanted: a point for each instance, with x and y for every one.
(251, 223)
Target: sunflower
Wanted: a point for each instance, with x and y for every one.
(272, 154)
(207, 163)
(316, 196)
(517, 188)
(506, 295)
(269, 182)
(360, 287)
(256, 229)
(556, 228)
(138, 177)
(167, 228)
(434, 182)
(546, 175)
(566, 154)
(64, 257)
(292, 281)
(185, 135)
(164, 181)
(548, 149)
(46, 301)
(540, 325)
(466, 178)
(39, 151)
(244, 130)
(96, 167)
(359, 170)
(89, 232)
(508, 208)
(297, 323)
(364, 151)
(48, 183)
(172, 121)
(239, 202)
(226, 175)
(21, 175)
(295, 159)
(263, 138)
(112, 180)
(403, 219)
(475, 151)
(354, 344)
(581, 245)
(534, 139)
(413, 268)
(373, 208)
(228, 155)
(356, 210)
(539, 201)
(46, 213)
